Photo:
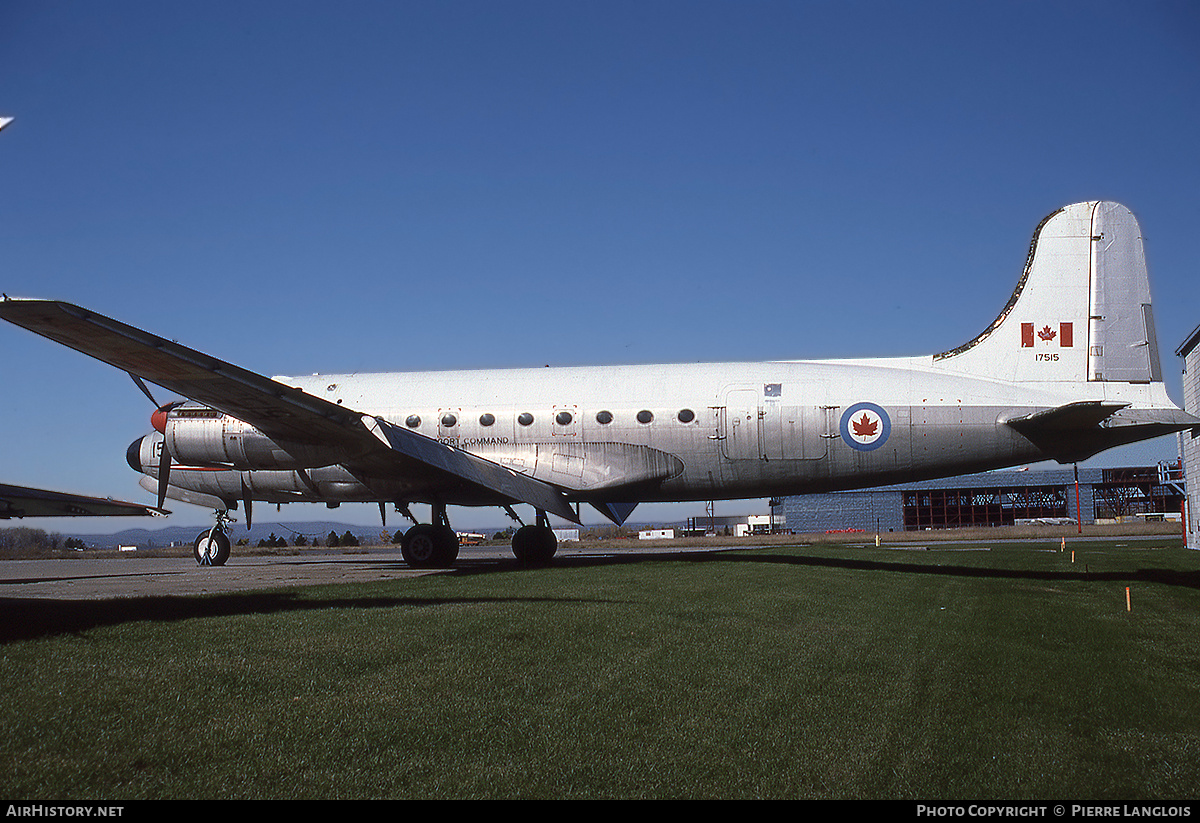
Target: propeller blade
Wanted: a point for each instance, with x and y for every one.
(246, 500)
(164, 473)
(138, 381)
(159, 418)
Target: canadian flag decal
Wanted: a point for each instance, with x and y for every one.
(1064, 334)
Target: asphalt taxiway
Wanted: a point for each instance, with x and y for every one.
(102, 578)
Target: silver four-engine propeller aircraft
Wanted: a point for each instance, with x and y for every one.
(1069, 368)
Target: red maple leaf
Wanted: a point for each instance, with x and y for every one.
(864, 426)
(1047, 333)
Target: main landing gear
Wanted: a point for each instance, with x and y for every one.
(212, 547)
(535, 545)
(435, 545)
(430, 546)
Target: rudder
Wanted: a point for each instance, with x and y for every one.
(1122, 345)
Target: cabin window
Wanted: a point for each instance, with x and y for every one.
(644, 416)
(525, 419)
(449, 420)
(413, 421)
(686, 416)
(487, 419)
(604, 417)
(563, 418)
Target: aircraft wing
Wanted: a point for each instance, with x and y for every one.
(280, 412)
(277, 410)
(21, 501)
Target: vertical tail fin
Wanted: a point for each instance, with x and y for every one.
(1081, 311)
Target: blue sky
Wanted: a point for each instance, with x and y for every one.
(302, 186)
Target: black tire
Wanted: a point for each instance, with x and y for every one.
(534, 545)
(450, 546)
(429, 547)
(212, 552)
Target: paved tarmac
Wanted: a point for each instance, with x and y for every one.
(124, 576)
(132, 575)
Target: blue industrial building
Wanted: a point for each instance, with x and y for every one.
(998, 498)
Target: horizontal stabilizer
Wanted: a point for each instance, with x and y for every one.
(1076, 431)
(472, 468)
(1172, 419)
(1071, 417)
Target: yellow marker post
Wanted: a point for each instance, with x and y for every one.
(1128, 607)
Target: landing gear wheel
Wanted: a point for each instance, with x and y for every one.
(534, 545)
(429, 547)
(211, 548)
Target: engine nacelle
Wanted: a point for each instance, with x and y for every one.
(200, 436)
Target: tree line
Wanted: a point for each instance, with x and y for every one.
(332, 540)
(24, 540)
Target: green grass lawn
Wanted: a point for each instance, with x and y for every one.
(980, 671)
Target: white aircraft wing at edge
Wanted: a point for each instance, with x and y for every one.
(278, 411)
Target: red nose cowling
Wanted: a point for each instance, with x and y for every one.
(159, 419)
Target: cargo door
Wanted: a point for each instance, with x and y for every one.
(792, 422)
(742, 439)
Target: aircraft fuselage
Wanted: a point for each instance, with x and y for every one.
(693, 432)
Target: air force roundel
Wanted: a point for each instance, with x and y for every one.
(865, 427)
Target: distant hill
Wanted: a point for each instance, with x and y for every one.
(185, 535)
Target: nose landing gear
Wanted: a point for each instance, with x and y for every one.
(212, 547)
